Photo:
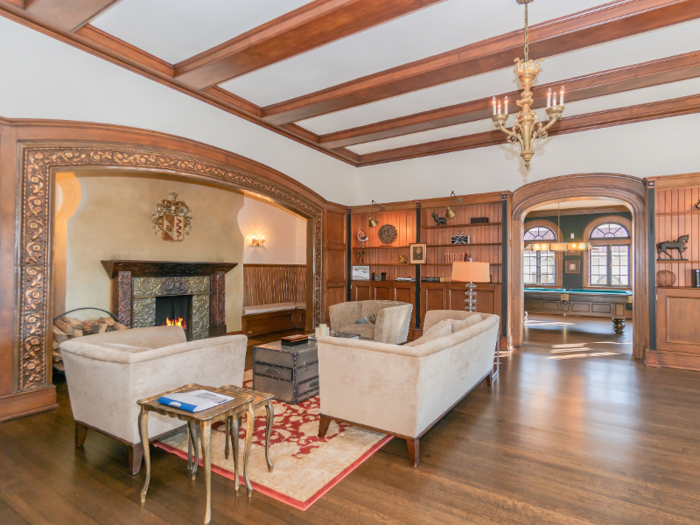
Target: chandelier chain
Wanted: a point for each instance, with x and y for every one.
(527, 36)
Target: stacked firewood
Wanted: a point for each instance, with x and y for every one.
(66, 328)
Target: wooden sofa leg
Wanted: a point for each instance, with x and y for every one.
(489, 378)
(80, 434)
(413, 451)
(323, 425)
(135, 458)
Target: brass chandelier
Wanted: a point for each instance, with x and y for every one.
(527, 129)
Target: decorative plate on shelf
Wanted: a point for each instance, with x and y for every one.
(665, 278)
(387, 234)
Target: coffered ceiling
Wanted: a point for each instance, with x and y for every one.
(373, 81)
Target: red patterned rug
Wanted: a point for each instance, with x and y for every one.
(306, 466)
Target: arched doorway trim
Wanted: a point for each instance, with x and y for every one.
(628, 189)
(39, 165)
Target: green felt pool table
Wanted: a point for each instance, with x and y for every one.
(586, 302)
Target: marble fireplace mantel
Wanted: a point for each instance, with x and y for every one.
(135, 284)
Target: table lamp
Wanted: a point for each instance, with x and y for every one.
(470, 272)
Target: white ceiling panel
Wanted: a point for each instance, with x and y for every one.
(174, 30)
(682, 38)
(629, 98)
(433, 30)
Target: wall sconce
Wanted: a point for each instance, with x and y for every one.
(258, 242)
(372, 222)
(449, 213)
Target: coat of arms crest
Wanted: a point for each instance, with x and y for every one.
(172, 218)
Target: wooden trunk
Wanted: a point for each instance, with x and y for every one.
(289, 373)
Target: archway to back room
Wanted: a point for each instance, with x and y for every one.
(578, 303)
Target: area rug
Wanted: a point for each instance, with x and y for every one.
(306, 466)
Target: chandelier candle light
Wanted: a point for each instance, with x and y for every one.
(527, 129)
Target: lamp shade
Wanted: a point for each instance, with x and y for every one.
(471, 272)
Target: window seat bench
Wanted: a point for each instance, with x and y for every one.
(275, 317)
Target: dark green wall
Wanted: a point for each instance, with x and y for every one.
(575, 224)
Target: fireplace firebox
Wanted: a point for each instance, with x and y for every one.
(175, 309)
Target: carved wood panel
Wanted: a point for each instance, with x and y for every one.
(274, 283)
(38, 165)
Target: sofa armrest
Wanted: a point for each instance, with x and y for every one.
(343, 314)
(393, 323)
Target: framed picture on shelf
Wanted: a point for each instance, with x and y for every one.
(572, 267)
(418, 253)
(360, 273)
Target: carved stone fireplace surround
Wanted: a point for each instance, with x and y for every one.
(135, 284)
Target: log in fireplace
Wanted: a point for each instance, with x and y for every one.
(137, 286)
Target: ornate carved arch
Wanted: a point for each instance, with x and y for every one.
(39, 163)
(628, 189)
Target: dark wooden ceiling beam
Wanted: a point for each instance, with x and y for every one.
(602, 119)
(306, 28)
(647, 74)
(69, 15)
(612, 21)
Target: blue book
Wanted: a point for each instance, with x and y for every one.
(195, 401)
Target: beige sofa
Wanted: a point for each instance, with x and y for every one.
(393, 320)
(405, 390)
(108, 373)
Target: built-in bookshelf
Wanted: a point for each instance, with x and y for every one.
(484, 238)
(384, 257)
(677, 215)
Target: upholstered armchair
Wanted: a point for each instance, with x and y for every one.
(391, 326)
(108, 373)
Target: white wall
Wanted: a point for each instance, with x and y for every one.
(47, 79)
(284, 231)
(659, 147)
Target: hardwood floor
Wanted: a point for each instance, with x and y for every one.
(595, 439)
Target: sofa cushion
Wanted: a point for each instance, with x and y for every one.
(458, 325)
(442, 329)
(366, 331)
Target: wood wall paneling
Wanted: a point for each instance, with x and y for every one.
(274, 283)
(335, 259)
(677, 215)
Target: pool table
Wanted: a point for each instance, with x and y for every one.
(587, 302)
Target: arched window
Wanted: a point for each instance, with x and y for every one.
(539, 268)
(609, 258)
(610, 230)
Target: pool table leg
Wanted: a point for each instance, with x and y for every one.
(619, 325)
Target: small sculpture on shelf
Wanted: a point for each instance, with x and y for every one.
(439, 221)
(362, 237)
(401, 259)
(679, 244)
(360, 258)
(697, 205)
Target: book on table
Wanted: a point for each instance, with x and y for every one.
(194, 401)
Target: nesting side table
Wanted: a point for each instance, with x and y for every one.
(242, 403)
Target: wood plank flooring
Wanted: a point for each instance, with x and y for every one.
(591, 439)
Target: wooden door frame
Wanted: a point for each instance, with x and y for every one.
(630, 190)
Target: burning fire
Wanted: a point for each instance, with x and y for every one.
(176, 322)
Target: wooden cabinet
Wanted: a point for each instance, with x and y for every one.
(678, 329)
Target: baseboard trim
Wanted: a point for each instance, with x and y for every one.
(24, 404)
(663, 359)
